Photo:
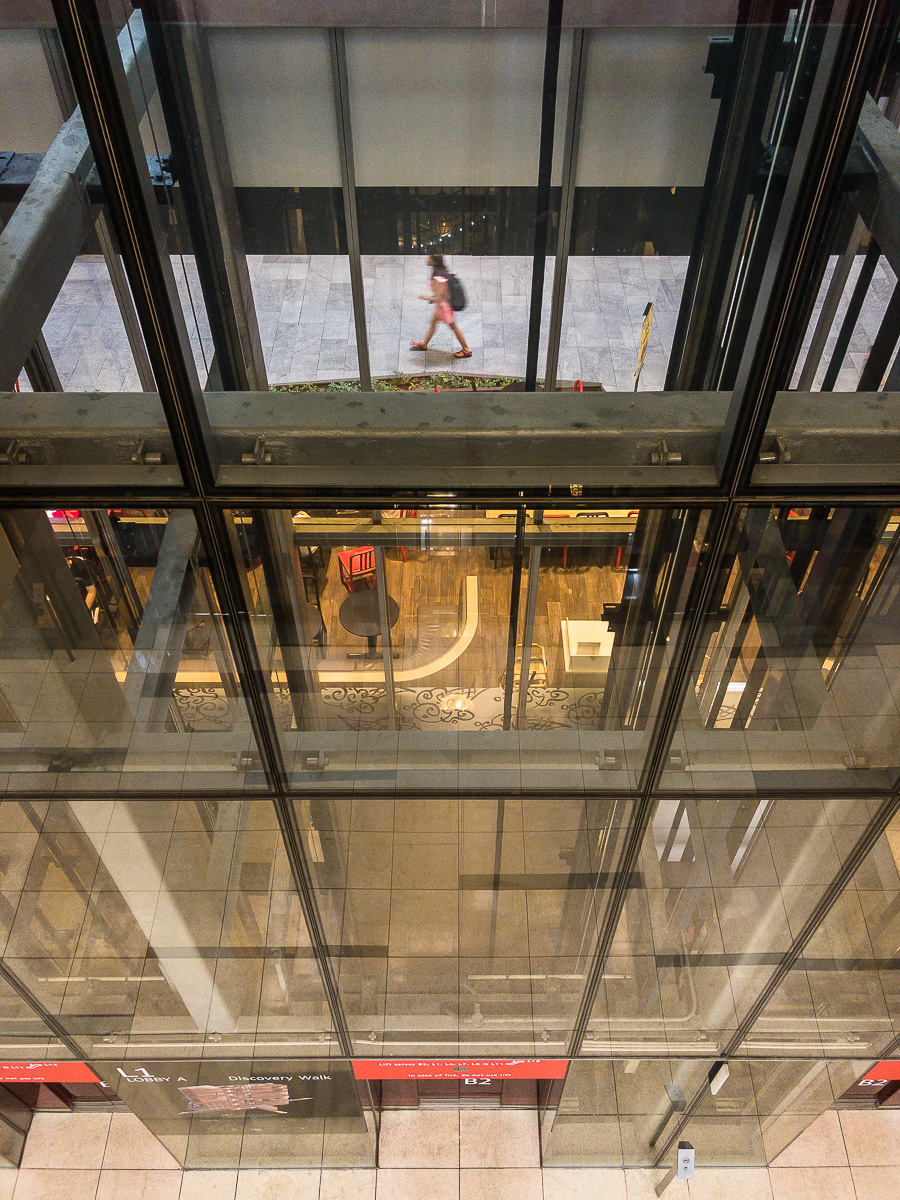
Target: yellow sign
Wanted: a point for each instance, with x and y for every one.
(645, 338)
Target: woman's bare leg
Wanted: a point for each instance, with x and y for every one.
(430, 334)
(460, 336)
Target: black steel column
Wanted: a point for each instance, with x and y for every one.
(544, 183)
(201, 167)
(348, 189)
(567, 202)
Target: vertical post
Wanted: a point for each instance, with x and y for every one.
(545, 179)
(534, 561)
(348, 189)
(516, 587)
(387, 651)
(564, 233)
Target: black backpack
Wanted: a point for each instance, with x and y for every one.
(457, 292)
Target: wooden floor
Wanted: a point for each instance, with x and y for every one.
(434, 578)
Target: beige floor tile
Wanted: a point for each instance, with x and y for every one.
(730, 1183)
(811, 1183)
(498, 1139)
(583, 1183)
(48, 1184)
(357, 1184)
(411, 1183)
(821, 1145)
(72, 1140)
(872, 1138)
(876, 1183)
(292, 1183)
(419, 1139)
(132, 1146)
(208, 1185)
(140, 1185)
(640, 1184)
(7, 1184)
(489, 1183)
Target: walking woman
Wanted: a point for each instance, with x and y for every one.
(443, 309)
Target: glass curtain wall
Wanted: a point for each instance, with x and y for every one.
(587, 779)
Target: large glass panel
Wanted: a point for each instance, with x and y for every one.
(424, 687)
(635, 214)
(163, 928)
(841, 998)
(467, 196)
(723, 887)
(796, 673)
(465, 925)
(115, 667)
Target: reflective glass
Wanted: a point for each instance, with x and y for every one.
(115, 667)
(424, 687)
(722, 889)
(461, 926)
(69, 324)
(795, 677)
(841, 997)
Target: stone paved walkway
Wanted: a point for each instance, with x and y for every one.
(306, 322)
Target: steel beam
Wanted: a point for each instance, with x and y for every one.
(879, 206)
(51, 221)
(607, 440)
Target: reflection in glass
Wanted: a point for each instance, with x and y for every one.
(795, 679)
(724, 888)
(386, 643)
(155, 926)
(115, 670)
(841, 997)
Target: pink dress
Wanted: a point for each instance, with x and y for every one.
(442, 308)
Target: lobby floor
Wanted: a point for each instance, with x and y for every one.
(468, 1155)
(306, 326)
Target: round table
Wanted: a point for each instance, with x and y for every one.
(359, 614)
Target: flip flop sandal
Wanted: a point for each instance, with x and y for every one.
(418, 346)
(463, 354)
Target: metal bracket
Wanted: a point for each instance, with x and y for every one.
(146, 458)
(608, 760)
(315, 760)
(14, 454)
(661, 455)
(259, 455)
(777, 451)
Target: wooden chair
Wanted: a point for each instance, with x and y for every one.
(356, 564)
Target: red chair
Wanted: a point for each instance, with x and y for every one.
(356, 564)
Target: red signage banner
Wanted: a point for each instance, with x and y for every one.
(460, 1068)
(884, 1071)
(54, 1072)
